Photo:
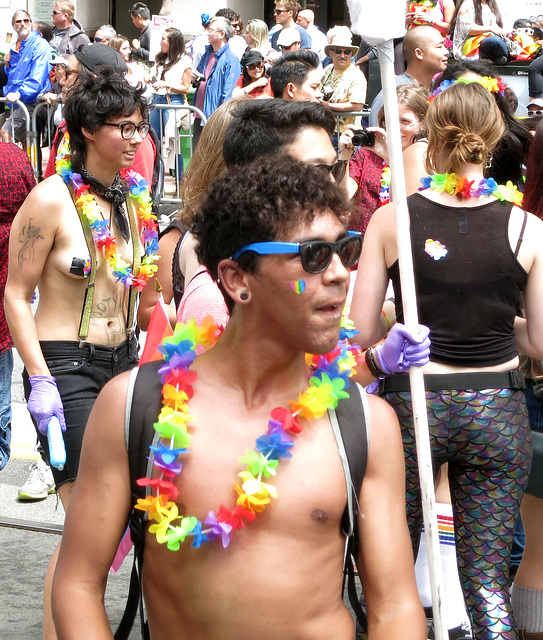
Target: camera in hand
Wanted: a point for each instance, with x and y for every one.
(199, 77)
(363, 138)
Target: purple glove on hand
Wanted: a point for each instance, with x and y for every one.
(44, 402)
(403, 349)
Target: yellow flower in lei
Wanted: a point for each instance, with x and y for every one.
(329, 376)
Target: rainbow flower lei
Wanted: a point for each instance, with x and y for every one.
(494, 85)
(327, 383)
(384, 192)
(101, 233)
(465, 188)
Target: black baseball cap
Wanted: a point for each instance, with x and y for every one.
(95, 54)
(250, 57)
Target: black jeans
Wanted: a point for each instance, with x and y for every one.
(80, 373)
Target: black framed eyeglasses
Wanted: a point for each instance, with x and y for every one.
(315, 255)
(336, 170)
(128, 129)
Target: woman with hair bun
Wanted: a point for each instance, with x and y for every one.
(475, 253)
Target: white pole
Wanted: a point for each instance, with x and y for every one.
(416, 378)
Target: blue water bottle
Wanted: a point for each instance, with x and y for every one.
(57, 450)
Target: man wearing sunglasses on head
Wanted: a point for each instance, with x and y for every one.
(28, 68)
(285, 523)
(104, 34)
(285, 15)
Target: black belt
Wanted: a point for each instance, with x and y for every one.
(476, 380)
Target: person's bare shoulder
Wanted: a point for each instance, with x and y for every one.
(47, 200)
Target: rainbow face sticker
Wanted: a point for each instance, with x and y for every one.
(435, 249)
(298, 286)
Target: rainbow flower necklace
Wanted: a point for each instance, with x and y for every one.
(384, 192)
(101, 233)
(329, 377)
(464, 188)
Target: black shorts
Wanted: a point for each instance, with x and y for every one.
(80, 373)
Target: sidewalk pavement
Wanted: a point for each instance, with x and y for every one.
(29, 533)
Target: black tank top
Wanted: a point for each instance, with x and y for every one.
(468, 281)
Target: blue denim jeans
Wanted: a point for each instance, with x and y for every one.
(493, 47)
(80, 372)
(6, 369)
(159, 118)
(535, 411)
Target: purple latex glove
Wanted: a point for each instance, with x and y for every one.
(44, 402)
(403, 349)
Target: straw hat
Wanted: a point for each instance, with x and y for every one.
(342, 38)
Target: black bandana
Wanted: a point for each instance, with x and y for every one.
(115, 194)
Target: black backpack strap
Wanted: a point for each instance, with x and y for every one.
(351, 428)
(143, 405)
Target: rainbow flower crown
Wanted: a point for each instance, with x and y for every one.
(494, 85)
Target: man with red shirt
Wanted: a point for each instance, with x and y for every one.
(16, 182)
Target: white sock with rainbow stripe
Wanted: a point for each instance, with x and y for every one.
(454, 608)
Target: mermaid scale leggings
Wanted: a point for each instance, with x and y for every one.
(485, 438)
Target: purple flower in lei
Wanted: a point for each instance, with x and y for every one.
(221, 529)
(124, 276)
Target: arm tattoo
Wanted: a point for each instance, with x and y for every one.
(27, 238)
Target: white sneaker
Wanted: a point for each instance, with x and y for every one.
(40, 483)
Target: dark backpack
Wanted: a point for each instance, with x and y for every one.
(145, 402)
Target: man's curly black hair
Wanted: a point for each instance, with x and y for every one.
(95, 100)
(263, 202)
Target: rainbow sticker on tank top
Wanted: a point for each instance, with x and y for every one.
(435, 249)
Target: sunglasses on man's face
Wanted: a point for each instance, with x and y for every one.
(315, 255)
(345, 52)
(336, 170)
(25, 21)
(278, 12)
(55, 12)
(99, 39)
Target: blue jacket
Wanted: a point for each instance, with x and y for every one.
(222, 79)
(29, 68)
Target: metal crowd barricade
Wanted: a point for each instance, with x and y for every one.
(36, 157)
(22, 106)
(339, 114)
(180, 135)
